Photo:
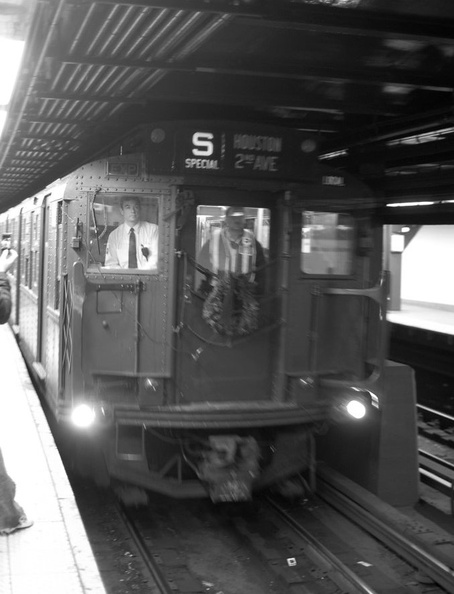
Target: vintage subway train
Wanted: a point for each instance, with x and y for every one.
(191, 380)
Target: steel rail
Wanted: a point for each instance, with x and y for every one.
(151, 565)
(434, 412)
(442, 482)
(410, 550)
(436, 460)
(439, 483)
(348, 578)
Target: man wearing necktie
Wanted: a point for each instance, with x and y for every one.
(134, 243)
(132, 251)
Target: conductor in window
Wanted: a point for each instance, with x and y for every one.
(233, 249)
(134, 243)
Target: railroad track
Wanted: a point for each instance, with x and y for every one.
(302, 547)
(436, 451)
(342, 540)
(158, 581)
(436, 425)
(437, 473)
(400, 533)
(295, 560)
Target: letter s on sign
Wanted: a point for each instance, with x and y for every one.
(203, 144)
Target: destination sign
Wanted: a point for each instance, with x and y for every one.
(257, 153)
(238, 151)
(246, 151)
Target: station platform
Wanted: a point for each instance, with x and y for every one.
(53, 555)
(425, 316)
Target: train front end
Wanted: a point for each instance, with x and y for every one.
(258, 324)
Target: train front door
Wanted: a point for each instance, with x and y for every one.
(326, 299)
(225, 318)
(126, 325)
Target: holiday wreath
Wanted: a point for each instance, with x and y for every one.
(231, 308)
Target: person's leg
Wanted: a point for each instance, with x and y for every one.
(12, 516)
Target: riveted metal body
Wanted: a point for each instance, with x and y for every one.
(203, 380)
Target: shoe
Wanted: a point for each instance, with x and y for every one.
(24, 522)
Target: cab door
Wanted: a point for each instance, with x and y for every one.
(214, 363)
(327, 306)
(124, 316)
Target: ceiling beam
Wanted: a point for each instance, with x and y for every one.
(310, 17)
(397, 128)
(230, 91)
(301, 70)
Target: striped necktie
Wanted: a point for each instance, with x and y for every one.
(132, 252)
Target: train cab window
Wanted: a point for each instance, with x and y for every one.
(231, 239)
(124, 233)
(327, 243)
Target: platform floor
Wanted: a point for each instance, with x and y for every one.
(424, 316)
(54, 555)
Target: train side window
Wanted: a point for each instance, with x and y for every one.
(35, 222)
(54, 238)
(110, 243)
(212, 224)
(327, 243)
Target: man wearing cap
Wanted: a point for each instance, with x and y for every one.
(134, 243)
(234, 249)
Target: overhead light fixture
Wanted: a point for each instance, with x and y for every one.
(334, 154)
(424, 137)
(11, 51)
(406, 204)
(340, 3)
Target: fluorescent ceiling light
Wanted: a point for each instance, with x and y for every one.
(11, 51)
(334, 154)
(405, 204)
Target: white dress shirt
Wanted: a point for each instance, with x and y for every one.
(147, 240)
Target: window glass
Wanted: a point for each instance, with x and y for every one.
(54, 218)
(34, 251)
(327, 243)
(58, 255)
(214, 217)
(232, 239)
(112, 244)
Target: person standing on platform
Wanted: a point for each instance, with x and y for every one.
(12, 516)
(134, 243)
(7, 258)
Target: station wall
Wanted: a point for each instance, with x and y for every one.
(428, 266)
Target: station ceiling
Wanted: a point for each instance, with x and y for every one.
(371, 79)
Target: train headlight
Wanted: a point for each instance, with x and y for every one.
(356, 409)
(354, 404)
(83, 415)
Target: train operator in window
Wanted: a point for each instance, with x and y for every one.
(234, 249)
(134, 243)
